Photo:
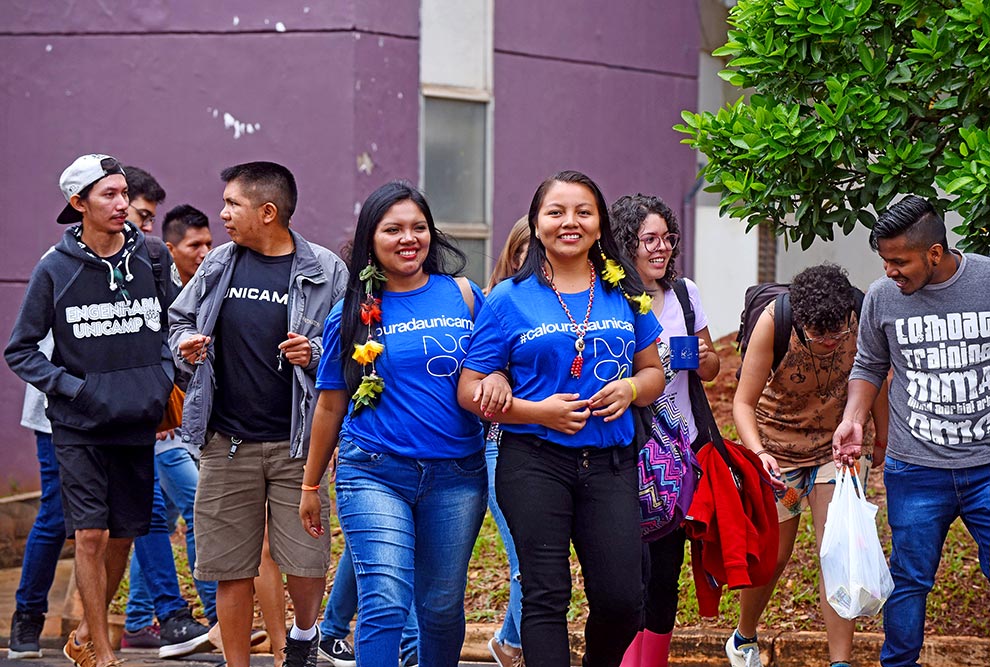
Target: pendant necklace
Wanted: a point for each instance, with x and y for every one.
(579, 329)
(823, 391)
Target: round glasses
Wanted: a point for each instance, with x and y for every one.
(147, 217)
(837, 336)
(652, 242)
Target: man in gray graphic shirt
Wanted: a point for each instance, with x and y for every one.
(929, 319)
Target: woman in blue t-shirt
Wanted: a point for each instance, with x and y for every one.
(575, 331)
(411, 481)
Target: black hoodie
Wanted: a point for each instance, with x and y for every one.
(111, 373)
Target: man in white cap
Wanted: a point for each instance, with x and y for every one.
(107, 382)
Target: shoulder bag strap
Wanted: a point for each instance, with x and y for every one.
(466, 292)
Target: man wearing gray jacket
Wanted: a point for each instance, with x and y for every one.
(249, 327)
(929, 320)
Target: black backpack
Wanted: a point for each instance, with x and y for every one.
(756, 300)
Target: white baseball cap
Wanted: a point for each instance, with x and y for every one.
(83, 172)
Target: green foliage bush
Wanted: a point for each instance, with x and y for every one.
(853, 103)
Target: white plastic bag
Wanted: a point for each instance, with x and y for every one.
(857, 579)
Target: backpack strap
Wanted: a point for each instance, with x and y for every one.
(858, 297)
(782, 323)
(680, 289)
(701, 409)
(466, 292)
(155, 248)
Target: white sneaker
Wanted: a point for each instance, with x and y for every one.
(747, 655)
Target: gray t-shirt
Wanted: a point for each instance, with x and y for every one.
(938, 341)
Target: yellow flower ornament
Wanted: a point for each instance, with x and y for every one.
(613, 272)
(644, 302)
(367, 353)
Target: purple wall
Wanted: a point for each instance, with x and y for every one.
(178, 89)
(577, 88)
(185, 88)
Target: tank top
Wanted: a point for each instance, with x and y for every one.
(802, 404)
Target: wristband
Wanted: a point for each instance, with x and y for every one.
(762, 452)
(633, 385)
(307, 487)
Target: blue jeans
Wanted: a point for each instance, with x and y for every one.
(510, 632)
(178, 476)
(47, 536)
(342, 605)
(922, 503)
(156, 570)
(410, 526)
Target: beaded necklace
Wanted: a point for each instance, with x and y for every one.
(372, 385)
(579, 329)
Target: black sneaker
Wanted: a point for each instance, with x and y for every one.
(181, 635)
(25, 635)
(301, 652)
(339, 652)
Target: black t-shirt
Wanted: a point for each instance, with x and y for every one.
(253, 398)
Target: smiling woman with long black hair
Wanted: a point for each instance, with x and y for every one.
(575, 330)
(411, 479)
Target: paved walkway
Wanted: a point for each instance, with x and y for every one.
(692, 647)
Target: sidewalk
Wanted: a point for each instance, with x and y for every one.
(691, 647)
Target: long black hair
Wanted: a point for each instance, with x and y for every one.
(632, 284)
(442, 257)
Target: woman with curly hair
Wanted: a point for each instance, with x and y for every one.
(786, 416)
(646, 229)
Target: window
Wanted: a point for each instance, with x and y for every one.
(455, 135)
(455, 175)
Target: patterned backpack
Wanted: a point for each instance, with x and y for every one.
(667, 470)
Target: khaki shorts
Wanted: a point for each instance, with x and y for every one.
(236, 497)
(800, 481)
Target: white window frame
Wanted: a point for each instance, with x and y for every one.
(455, 229)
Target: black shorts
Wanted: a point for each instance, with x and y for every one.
(107, 487)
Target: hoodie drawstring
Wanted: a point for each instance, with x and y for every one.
(113, 279)
(113, 274)
(127, 265)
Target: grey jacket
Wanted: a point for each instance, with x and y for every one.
(319, 279)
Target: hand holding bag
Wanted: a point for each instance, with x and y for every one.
(854, 568)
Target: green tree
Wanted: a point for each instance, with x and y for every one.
(853, 103)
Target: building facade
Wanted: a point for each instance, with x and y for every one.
(475, 101)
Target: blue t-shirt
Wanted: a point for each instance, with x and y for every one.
(425, 333)
(523, 327)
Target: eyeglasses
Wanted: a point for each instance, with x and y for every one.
(837, 336)
(147, 217)
(652, 242)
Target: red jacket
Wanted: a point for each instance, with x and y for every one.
(733, 534)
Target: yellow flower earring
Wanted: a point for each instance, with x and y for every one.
(614, 274)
